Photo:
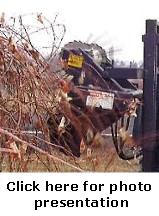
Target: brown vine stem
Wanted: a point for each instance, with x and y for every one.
(38, 149)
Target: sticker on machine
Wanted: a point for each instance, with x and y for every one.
(75, 61)
(100, 99)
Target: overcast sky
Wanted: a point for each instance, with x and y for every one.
(120, 23)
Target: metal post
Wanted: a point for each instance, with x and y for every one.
(150, 40)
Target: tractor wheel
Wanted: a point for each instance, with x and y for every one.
(126, 146)
(128, 153)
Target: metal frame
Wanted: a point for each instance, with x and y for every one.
(150, 120)
(150, 110)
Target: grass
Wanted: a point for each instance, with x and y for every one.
(103, 159)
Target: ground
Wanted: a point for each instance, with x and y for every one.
(103, 159)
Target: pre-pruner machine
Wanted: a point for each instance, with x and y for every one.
(106, 98)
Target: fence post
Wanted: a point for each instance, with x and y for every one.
(149, 128)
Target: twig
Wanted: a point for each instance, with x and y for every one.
(38, 149)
